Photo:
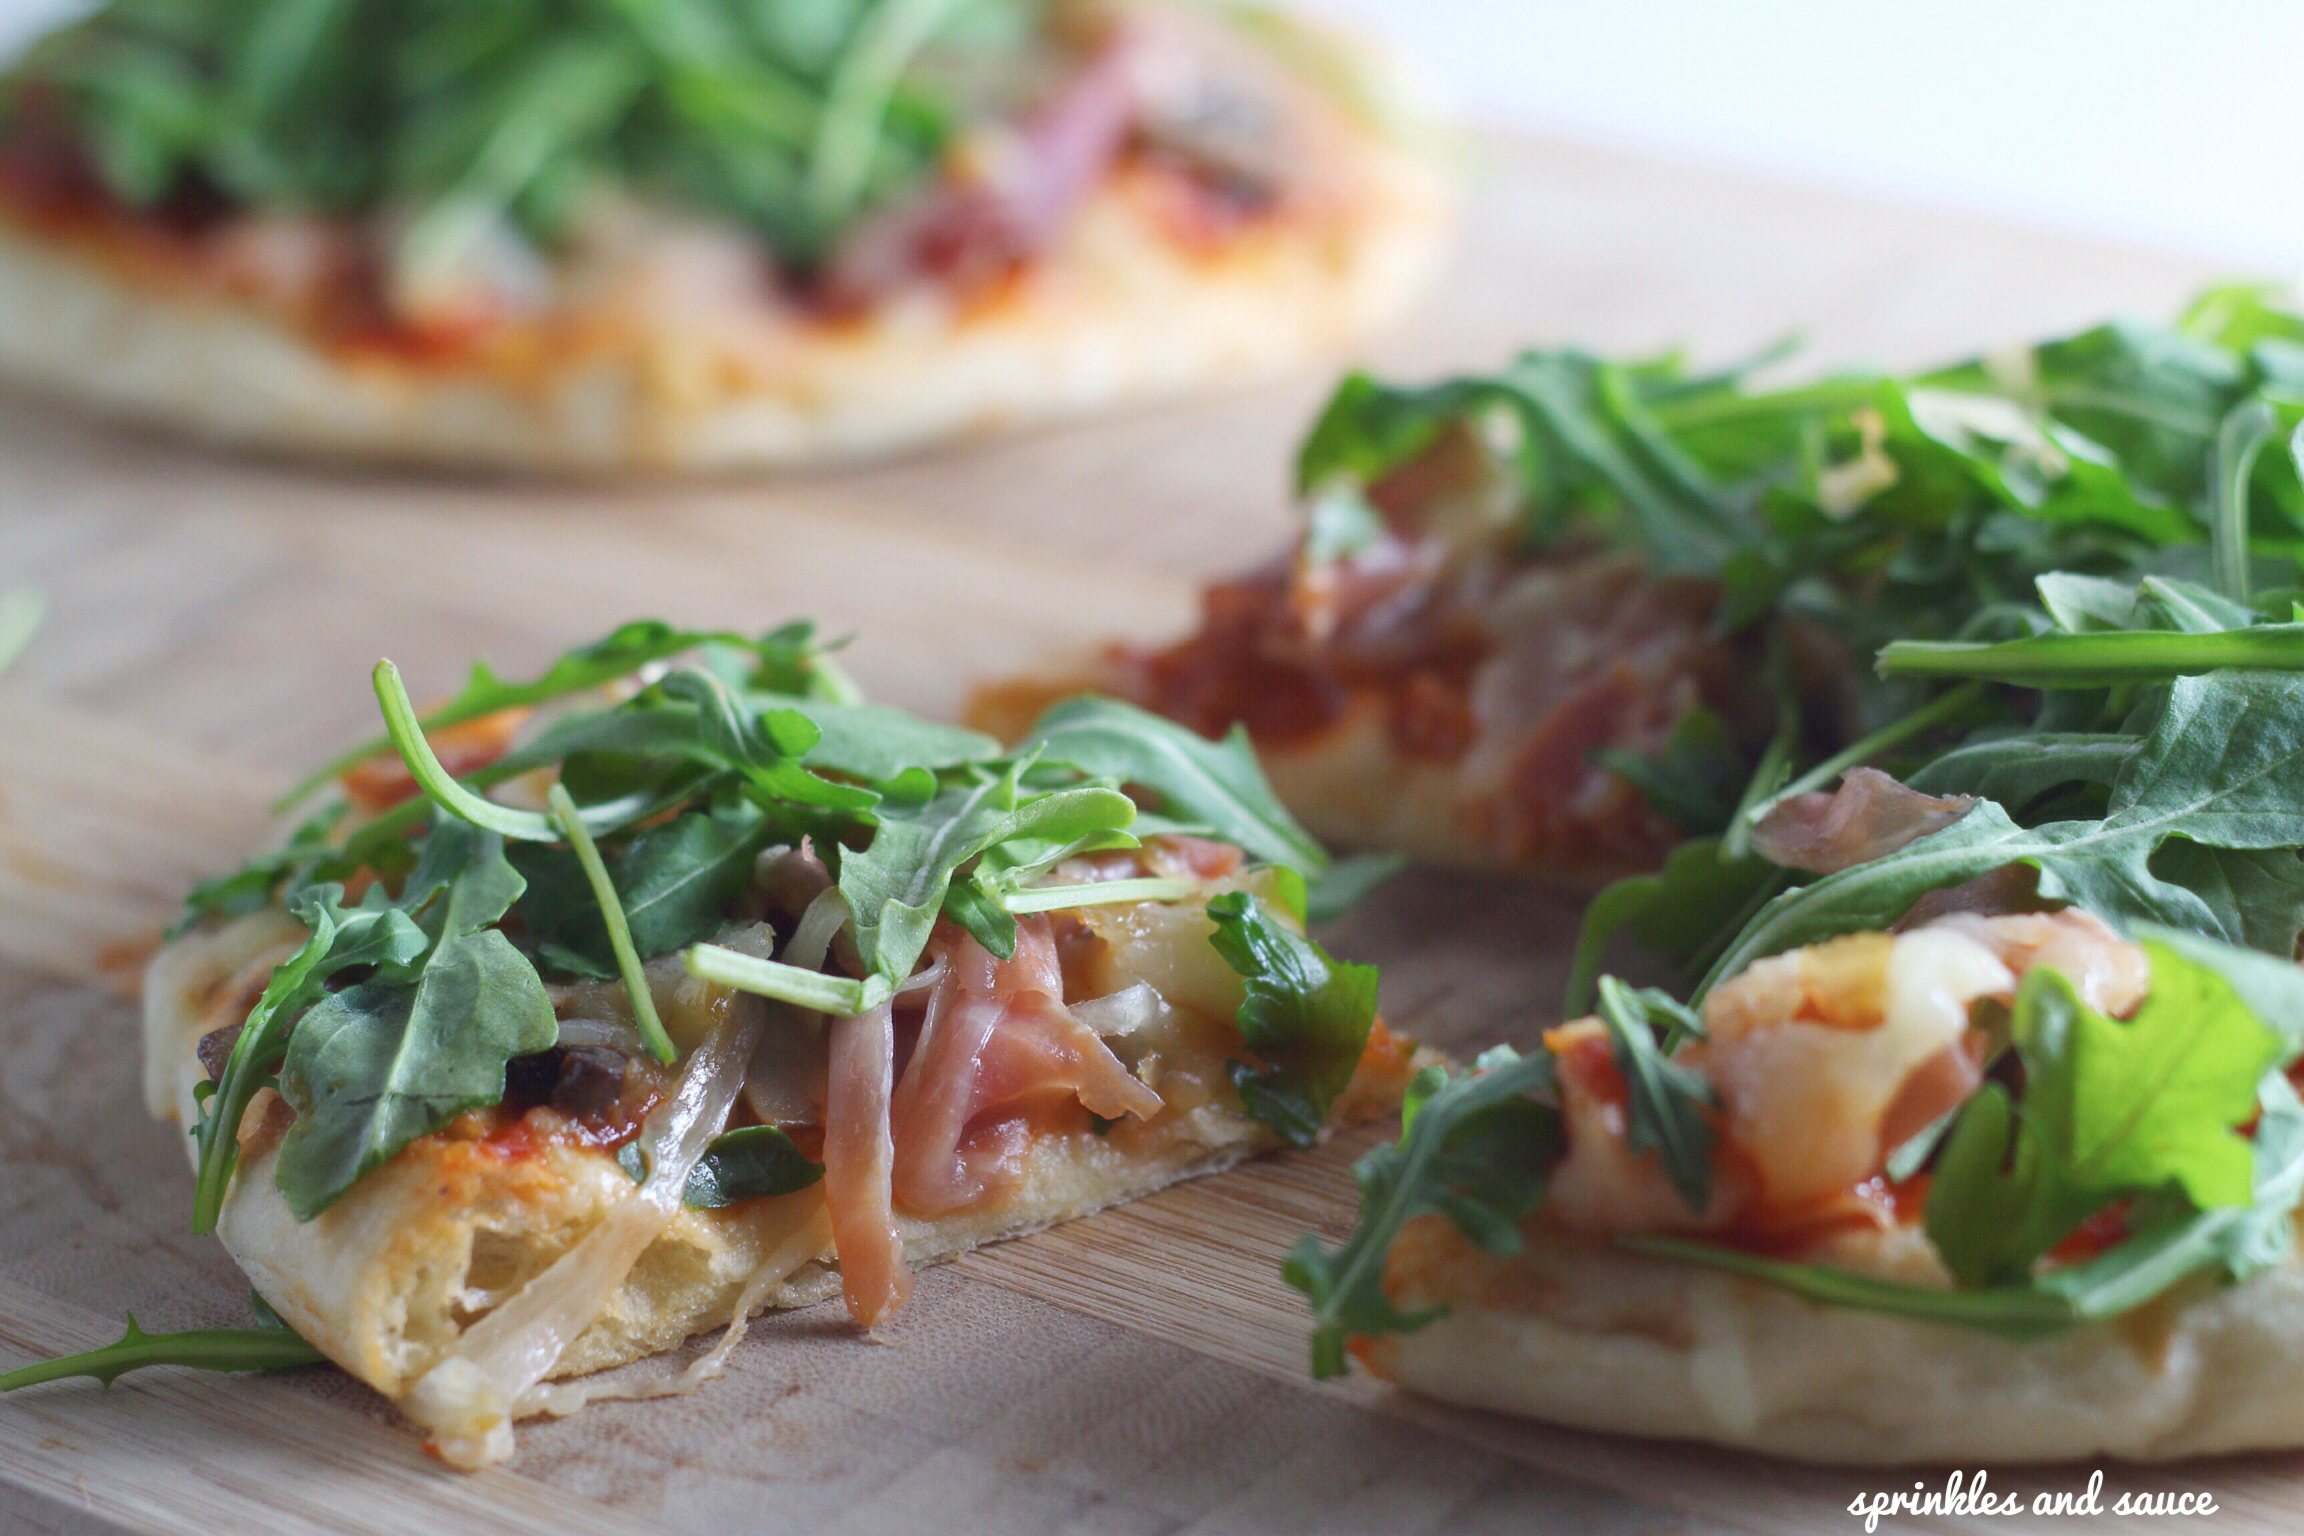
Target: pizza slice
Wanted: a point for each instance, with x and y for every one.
(691, 236)
(604, 1009)
(1729, 1239)
(1567, 618)
(1977, 1140)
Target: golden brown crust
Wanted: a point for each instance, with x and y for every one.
(1591, 1336)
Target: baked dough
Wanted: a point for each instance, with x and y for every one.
(1598, 1338)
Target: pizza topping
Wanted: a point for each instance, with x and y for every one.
(569, 167)
(859, 1159)
(1007, 193)
(2077, 1164)
(1815, 1066)
(997, 1048)
(215, 1049)
(1869, 815)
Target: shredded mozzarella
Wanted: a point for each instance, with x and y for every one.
(1123, 1013)
(812, 935)
(613, 1034)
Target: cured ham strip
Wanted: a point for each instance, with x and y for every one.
(998, 1049)
(1006, 201)
(1868, 816)
(858, 1156)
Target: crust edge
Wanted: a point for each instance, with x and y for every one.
(1605, 1340)
(1118, 315)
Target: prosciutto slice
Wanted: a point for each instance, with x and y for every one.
(1868, 816)
(1008, 201)
(997, 1050)
(858, 1154)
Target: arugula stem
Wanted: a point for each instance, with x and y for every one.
(21, 610)
(207, 1349)
(619, 655)
(619, 931)
(1774, 767)
(407, 734)
(2016, 1311)
(1712, 410)
(2247, 427)
(1699, 963)
(1937, 711)
(1102, 893)
(842, 996)
(2100, 659)
(856, 99)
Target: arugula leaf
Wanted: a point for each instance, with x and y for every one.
(2271, 988)
(1686, 911)
(897, 885)
(1305, 1015)
(611, 909)
(765, 746)
(374, 1066)
(1475, 1149)
(794, 121)
(879, 745)
(1345, 883)
(1668, 1099)
(2109, 1109)
(2222, 765)
(1215, 787)
(341, 937)
(675, 879)
(748, 1164)
(21, 610)
(1694, 780)
(274, 1347)
(621, 652)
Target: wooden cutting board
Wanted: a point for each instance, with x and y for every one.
(212, 622)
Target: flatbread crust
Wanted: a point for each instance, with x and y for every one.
(1598, 1338)
(1120, 312)
(386, 1279)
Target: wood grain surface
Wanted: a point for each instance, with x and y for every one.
(212, 621)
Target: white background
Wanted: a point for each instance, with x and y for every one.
(2177, 123)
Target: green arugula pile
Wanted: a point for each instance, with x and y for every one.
(789, 117)
(1862, 509)
(2134, 740)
